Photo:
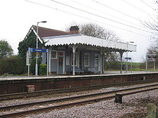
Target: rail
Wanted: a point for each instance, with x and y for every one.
(75, 100)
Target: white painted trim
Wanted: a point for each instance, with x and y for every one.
(37, 35)
(63, 62)
(88, 40)
(49, 52)
(56, 54)
(77, 59)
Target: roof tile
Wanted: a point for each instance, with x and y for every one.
(46, 32)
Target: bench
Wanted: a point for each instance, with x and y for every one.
(77, 71)
(93, 70)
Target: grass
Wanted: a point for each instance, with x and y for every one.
(135, 67)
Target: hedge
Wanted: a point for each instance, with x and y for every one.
(12, 65)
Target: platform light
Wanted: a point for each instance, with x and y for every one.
(36, 66)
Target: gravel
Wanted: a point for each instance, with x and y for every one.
(133, 106)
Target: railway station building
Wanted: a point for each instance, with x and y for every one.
(74, 53)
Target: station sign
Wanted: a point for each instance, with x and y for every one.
(128, 58)
(38, 50)
(151, 56)
(28, 57)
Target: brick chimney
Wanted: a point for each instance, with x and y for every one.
(74, 29)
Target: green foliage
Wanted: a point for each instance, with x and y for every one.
(139, 66)
(43, 69)
(5, 49)
(32, 66)
(12, 65)
(111, 61)
(112, 65)
(116, 66)
(30, 41)
(134, 66)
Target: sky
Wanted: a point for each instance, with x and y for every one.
(125, 18)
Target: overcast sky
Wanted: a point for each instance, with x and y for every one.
(124, 17)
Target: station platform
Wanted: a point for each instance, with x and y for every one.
(10, 84)
(106, 73)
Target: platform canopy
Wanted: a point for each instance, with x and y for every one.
(78, 39)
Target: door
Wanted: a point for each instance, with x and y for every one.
(60, 62)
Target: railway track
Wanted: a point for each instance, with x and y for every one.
(34, 94)
(21, 95)
(69, 101)
(68, 90)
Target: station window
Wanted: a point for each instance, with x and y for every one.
(54, 54)
(86, 59)
(67, 60)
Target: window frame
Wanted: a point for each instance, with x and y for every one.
(86, 64)
(54, 57)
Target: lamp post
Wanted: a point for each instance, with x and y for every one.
(36, 66)
(127, 56)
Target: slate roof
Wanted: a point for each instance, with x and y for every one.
(46, 32)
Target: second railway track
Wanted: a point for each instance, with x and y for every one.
(69, 101)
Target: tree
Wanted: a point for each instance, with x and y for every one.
(153, 24)
(98, 31)
(111, 61)
(30, 41)
(153, 49)
(5, 49)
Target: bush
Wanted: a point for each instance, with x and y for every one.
(43, 69)
(33, 63)
(12, 65)
(112, 65)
